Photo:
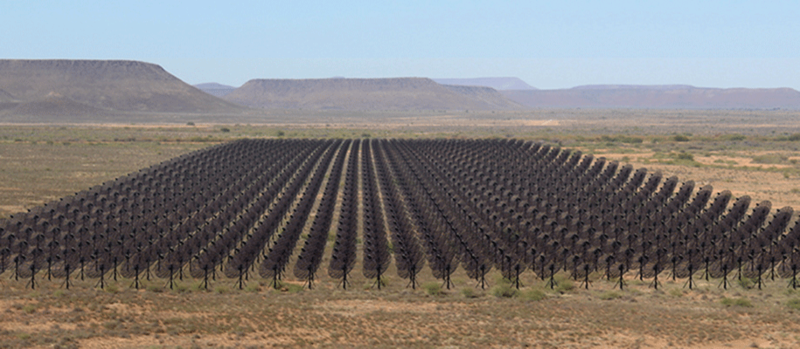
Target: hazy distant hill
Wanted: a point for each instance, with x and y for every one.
(215, 89)
(632, 87)
(659, 96)
(487, 95)
(365, 94)
(499, 84)
(52, 87)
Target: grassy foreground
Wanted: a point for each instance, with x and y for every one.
(536, 316)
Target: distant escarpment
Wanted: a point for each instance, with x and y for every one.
(86, 87)
(658, 97)
(491, 97)
(366, 94)
(500, 84)
(215, 89)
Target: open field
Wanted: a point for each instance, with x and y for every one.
(757, 158)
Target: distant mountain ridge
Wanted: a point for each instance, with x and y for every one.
(488, 95)
(41, 87)
(121, 91)
(632, 87)
(658, 96)
(500, 84)
(215, 89)
(366, 94)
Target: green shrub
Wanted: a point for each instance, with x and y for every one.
(745, 282)
(680, 138)
(252, 287)
(504, 290)
(432, 288)
(739, 302)
(225, 129)
(684, 156)
(564, 284)
(180, 288)
(29, 308)
(534, 295)
(794, 137)
(770, 159)
(622, 139)
(469, 292)
(733, 137)
(793, 303)
(610, 295)
(291, 288)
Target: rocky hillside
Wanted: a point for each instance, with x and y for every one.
(94, 86)
(364, 94)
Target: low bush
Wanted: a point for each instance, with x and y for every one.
(610, 295)
(770, 159)
(432, 288)
(738, 302)
(469, 292)
(680, 138)
(533, 295)
(504, 291)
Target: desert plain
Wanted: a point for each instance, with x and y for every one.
(749, 152)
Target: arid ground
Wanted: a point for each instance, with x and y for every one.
(746, 152)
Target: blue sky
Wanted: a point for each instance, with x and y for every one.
(548, 44)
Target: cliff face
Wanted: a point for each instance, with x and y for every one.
(360, 94)
(666, 97)
(114, 86)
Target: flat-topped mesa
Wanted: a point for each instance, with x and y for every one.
(110, 85)
(361, 94)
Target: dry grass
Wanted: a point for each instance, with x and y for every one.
(396, 316)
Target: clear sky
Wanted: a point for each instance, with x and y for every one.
(549, 44)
